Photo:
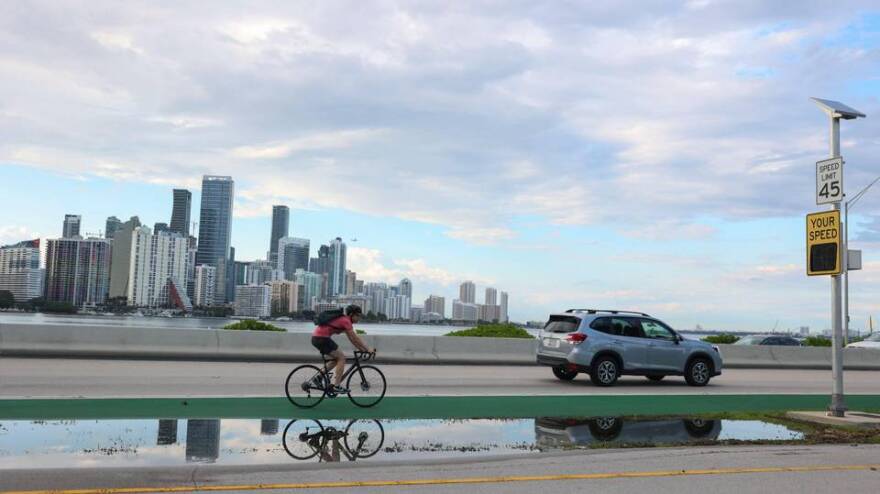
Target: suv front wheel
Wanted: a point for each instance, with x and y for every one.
(564, 374)
(605, 371)
(698, 372)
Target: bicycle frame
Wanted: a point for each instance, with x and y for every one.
(356, 366)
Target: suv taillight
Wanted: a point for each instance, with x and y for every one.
(576, 338)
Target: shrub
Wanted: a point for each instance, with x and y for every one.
(817, 341)
(721, 339)
(252, 325)
(360, 331)
(505, 330)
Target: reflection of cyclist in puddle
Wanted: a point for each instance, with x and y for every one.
(305, 439)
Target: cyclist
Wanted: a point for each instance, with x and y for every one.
(323, 341)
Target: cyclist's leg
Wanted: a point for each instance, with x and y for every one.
(340, 366)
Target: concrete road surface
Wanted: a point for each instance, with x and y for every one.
(24, 377)
(716, 470)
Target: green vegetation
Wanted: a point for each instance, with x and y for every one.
(252, 325)
(817, 341)
(360, 331)
(721, 339)
(503, 330)
(7, 300)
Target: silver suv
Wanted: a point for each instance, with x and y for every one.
(609, 343)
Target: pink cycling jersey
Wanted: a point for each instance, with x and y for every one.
(337, 326)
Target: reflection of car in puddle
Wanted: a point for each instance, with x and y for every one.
(562, 432)
(304, 439)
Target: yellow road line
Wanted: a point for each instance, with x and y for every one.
(465, 480)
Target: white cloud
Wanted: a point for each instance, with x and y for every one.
(371, 265)
(11, 234)
(324, 140)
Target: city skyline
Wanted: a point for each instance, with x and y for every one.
(657, 162)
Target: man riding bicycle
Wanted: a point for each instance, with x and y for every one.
(322, 339)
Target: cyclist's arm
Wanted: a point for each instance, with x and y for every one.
(356, 341)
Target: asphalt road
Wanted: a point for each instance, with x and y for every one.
(802, 469)
(24, 377)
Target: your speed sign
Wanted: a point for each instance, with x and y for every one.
(829, 181)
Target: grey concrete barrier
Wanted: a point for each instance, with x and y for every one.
(205, 344)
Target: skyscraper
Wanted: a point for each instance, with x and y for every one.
(310, 288)
(336, 274)
(78, 271)
(293, 254)
(405, 288)
(491, 296)
(71, 226)
(215, 231)
(180, 211)
(350, 282)
(435, 304)
(130, 273)
(167, 265)
(503, 316)
(113, 224)
(280, 225)
(467, 292)
(160, 227)
(204, 285)
(20, 271)
(321, 264)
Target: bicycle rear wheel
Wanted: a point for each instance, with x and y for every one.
(366, 386)
(303, 439)
(364, 438)
(302, 387)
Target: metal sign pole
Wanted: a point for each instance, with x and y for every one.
(838, 407)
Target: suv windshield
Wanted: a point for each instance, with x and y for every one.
(562, 324)
(750, 340)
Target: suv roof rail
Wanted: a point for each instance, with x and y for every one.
(610, 311)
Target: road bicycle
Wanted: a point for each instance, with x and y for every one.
(304, 439)
(307, 385)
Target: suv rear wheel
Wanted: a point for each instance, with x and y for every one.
(564, 374)
(605, 371)
(698, 372)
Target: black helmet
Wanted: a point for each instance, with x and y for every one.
(353, 309)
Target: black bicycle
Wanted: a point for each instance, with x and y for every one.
(304, 439)
(307, 385)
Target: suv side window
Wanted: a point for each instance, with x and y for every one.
(603, 325)
(653, 329)
(627, 327)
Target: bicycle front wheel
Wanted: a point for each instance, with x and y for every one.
(364, 438)
(366, 386)
(303, 439)
(305, 386)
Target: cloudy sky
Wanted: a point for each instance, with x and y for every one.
(646, 155)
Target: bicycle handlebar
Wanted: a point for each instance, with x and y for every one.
(365, 355)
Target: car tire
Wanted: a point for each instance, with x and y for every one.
(698, 428)
(605, 371)
(656, 377)
(606, 428)
(698, 372)
(564, 374)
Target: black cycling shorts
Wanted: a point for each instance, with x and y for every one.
(324, 344)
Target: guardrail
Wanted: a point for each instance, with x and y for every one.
(185, 344)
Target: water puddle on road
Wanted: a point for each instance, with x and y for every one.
(165, 442)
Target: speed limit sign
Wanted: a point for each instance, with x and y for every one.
(829, 181)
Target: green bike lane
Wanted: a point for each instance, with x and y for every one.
(413, 407)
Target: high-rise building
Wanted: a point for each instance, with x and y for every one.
(160, 227)
(491, 297)
(71, 226)
(215, 222)
(503, 316)
(78, 271)
(350, 282)
(280, 225)
(467, 292)
(405, 288)
(490, 313)
(253, 301)
(435, 304)
(310, 288)
(284, 296)
(397, 307)
(167, 267)
(130, 262)
(113, 224)
(190, 269)
(336, 274)
(293, 254)
(464, 311)
(377, 293)
(20, 271)
(167, 432)
(416, 313)
(204, 284)
(260, 272)
(202, 440)
(180, 211)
